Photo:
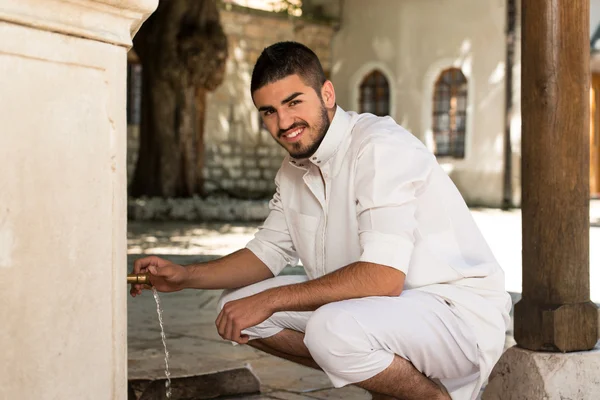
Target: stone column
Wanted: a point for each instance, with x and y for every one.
(63, 196)
(556, 324)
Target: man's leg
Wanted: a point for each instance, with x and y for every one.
(400, 378)
(287, 344)
(397, 346)
(281, 335)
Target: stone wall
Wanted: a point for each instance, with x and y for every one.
(241, 157)
(242, 169)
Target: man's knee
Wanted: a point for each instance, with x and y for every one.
(239, 293)
(334, 337)
(226, 297)
(266, 328)
(247, 291)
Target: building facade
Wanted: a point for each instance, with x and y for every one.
(443, 71)
(446, 70)
(444, 64)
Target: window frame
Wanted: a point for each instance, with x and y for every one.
(380, 101)
(452, 86)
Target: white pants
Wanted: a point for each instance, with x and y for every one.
(354, 340)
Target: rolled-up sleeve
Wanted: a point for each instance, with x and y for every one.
(272, 244)
(389, 176)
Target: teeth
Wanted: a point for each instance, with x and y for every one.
(293, 134)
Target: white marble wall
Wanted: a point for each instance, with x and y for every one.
(63, 196)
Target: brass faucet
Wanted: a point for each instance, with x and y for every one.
(141, 279)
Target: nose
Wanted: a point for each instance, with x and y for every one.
(286, 119)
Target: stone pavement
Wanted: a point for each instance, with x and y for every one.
(189, 316)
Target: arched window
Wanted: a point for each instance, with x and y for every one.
(375, 94)
(450, 113)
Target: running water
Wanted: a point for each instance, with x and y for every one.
(164, 340)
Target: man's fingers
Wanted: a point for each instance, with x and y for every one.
(141, 264)
(221, 325)
(236, 334)
(230, 331)
(138, 265)
(244, 339)
(163, 271)
(229, 328)
(218, 320)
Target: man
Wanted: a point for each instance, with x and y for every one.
(402, 296)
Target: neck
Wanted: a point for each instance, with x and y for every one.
(331, 112)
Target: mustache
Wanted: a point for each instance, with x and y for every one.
(292, 127)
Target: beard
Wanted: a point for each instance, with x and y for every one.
(298, 150)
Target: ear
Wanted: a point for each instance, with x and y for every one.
(328, 94)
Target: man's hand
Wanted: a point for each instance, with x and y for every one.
(240, 314)
(164, 275)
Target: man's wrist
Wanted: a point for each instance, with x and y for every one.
(192, 276)
(273, 299)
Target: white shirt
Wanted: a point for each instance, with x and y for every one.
(373, 192)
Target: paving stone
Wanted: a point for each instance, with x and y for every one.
(279, 374)
(281, 395)
(345, 393)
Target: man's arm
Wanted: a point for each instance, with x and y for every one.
(356, 280)
(238, 269)
(360, 279)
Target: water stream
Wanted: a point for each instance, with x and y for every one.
(164, 341)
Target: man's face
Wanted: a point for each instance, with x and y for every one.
(296, 116)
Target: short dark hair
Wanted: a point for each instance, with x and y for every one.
(284, 59)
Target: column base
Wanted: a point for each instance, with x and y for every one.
(564, 328)
(522, 374)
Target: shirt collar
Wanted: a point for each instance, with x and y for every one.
(331, 142)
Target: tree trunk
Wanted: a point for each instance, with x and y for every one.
(183, 51)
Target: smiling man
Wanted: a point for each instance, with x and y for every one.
(402, 296)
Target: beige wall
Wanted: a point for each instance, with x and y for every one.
(63, 197)
(412, 42)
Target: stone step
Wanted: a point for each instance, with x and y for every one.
(228, 382)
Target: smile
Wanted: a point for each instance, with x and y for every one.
(293, 135)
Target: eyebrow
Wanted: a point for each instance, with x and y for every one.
(284, 101)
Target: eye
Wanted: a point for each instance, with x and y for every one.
(294, 102)
(268, 112)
